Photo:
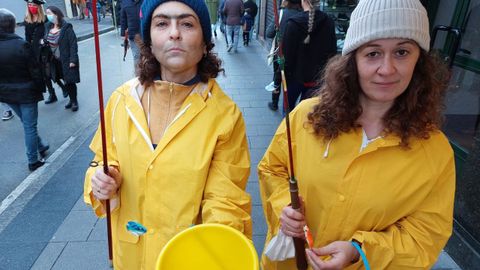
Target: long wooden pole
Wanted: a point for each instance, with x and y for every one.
(299, 243)
(102, 123)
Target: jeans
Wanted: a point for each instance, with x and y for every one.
(4, 106)
(28, 114)
(135, 52)
(235, 29)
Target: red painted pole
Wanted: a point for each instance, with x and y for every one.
(102, 122)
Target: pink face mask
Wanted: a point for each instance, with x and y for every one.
(33, 9)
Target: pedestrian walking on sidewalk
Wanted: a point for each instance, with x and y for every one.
(64, 63)
(34, 33)
(177, 148)
(376, 174)
(130, 20)
(212, 6)
(289, 8)
(251, 10)
(21, 86)
(309, 41)
(233, 11)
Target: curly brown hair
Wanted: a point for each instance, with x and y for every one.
(415, 113)
(148, 67)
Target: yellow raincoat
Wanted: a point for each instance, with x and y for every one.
(397, 202)
(196, 174)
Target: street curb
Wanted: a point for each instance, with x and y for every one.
(102, 31)
(46, 173)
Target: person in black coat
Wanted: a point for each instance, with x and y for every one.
(64, 63)
(21, 85)
(308, 43)
(289, 8)
(130, 20)
(34, 23)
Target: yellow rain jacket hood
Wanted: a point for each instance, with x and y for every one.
(196, 174)
(397, 202)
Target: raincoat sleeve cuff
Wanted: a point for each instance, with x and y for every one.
(99, 206)
(358, 237)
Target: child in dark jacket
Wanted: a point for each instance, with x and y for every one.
(247, 23)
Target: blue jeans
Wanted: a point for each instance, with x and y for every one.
(135, 52)
(235, 29)
(28, 114)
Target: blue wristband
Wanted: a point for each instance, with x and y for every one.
(362, 254)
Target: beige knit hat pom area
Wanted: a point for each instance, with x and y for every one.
(378, 19)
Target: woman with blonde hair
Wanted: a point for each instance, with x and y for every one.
(34, 31)
(376, 174)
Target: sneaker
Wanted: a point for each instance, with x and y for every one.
(69, 105)
(270, 87)
(33, 166)
(43, 152)
(51, 99)
(229, 48)
(7, 115)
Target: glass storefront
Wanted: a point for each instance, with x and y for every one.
(463, 99)
(339, 11)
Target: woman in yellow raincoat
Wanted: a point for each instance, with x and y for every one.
(375, 173)
(177, 148)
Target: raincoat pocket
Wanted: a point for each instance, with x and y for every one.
(124, 235)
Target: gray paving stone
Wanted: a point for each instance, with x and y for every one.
(263, 112)
(80, 205)
(259, 242)
(267, 130)
(99, 232)
(445, 262)
(260, 103)
(256, 155)
(248, 97)
(83, 255)
(19, 255)
(253, 190)
(261, 142)
(76, 227)
(252, 131)
(259, 223)
(250, 120)
(49, 256)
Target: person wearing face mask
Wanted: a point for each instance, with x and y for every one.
(64, 63)
(34, 32)
(177, 147)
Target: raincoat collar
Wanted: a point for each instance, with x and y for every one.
(192, 105)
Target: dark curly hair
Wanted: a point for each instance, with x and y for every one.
(415, 113)
(148, 67)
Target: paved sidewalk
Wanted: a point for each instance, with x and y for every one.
(79, 240)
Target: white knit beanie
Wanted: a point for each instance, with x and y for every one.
(377, 19)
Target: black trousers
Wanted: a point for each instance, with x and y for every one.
(71, 89)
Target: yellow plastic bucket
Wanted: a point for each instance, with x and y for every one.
(209, 247)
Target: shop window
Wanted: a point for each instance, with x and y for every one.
(463, 108)
(463, 98)
(339, 11)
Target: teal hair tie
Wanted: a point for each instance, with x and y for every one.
(362, 254)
